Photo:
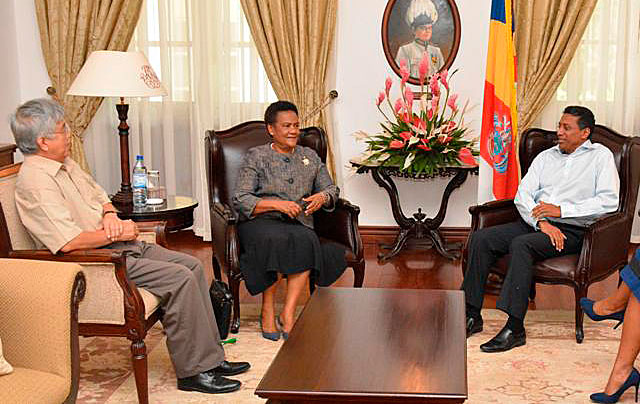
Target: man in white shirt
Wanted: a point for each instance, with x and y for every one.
(566, 189)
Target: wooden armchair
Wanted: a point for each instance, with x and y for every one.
(225, 151)
(39, 329)
(606, 242)
(113, 305)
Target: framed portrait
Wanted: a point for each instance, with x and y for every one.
(412, 27)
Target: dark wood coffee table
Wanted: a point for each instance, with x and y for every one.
(373, 346)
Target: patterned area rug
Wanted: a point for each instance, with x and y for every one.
(551, 367)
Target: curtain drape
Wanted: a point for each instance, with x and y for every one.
(603, 74)
(294, 39)
(203, 53)
(69, 31)
(547, 35)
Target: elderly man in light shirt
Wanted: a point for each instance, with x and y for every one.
(64, 210)
(566, 188)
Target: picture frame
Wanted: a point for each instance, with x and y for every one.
(403, 41)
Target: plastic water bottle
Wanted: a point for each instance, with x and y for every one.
(139, 183)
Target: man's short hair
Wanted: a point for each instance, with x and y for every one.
(584, 115)
(271, 113)
(34, 119)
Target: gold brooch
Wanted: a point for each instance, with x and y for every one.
(305, 161)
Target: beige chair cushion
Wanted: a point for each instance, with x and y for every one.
(5, 367)
(20, 238)
(28, 386)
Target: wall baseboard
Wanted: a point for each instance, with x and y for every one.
(387, 234)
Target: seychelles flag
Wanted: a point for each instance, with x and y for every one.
(499, 173)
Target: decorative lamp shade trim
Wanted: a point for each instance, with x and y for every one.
(117, 74)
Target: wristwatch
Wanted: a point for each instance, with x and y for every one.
(109, 211)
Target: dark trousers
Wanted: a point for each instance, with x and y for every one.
(526, 246)
(178, 280)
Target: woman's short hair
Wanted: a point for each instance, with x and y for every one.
(34, 119)
(271, 113)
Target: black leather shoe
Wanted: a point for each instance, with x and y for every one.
(231, 368)
(505, 340)
(474, 325)
(208, 382)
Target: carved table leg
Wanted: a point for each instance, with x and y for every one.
(395, 248)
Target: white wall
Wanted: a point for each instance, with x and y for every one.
(360, 71)
(23, 74)
(8, 68)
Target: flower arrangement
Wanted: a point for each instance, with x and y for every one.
(423, 141)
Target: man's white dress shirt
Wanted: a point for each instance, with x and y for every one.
(585, 184)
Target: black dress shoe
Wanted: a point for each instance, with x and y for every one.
(231, 368)
(474, 325)
(208, 382)
(505, 340)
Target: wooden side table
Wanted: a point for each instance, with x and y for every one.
(419, 226)
(177, 211)
(6, 153)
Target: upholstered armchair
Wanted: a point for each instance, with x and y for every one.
(113, 305)
(606, 242)
(225, 152)
(39, 330)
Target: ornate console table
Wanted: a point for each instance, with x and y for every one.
(418, 227)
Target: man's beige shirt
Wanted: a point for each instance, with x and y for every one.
(56, 202)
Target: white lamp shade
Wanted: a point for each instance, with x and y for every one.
(117, 74)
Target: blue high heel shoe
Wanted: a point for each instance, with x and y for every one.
(285, 335)
(632, 380)
(271, 336)
(587, 307)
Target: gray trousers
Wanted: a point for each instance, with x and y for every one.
(178, 280)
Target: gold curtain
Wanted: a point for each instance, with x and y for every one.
(548, 33)
(69, 31)
(294, 39)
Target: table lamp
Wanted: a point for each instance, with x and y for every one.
(118, 74)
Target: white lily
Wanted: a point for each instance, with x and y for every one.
(408, 161)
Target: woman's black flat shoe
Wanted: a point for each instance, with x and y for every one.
(285, 335)
(587, 307)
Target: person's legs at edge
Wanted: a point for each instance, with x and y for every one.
(268, 308)
(614, 303)
(295, 285)
(628, 349)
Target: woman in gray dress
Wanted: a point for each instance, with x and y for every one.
(279, 187)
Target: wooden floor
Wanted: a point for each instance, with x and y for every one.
(409, 270)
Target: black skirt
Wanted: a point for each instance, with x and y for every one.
(269, 246)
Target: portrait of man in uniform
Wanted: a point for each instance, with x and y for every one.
(413, 28)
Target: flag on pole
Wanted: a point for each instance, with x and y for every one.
(499, 134)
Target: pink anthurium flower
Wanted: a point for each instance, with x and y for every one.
(380, 98)
(396, 144)
(466, 157)
(387, 85)
(424, 145)
(405, 135)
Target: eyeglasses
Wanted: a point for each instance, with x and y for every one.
(66, 130)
